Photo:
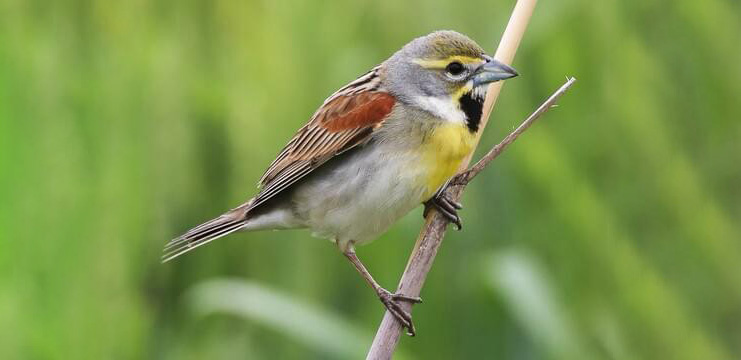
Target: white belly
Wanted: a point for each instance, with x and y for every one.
(355, 200)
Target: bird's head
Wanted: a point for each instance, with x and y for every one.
(443, 72)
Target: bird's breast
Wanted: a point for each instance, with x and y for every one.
(442, 152)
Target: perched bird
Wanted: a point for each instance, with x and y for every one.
(377, 148)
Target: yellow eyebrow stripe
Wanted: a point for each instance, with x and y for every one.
(442, 63)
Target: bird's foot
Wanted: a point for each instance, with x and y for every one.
(391, 302)
(446, 206)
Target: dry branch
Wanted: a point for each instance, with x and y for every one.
(432, 234)
(429, 240)
(465, 177)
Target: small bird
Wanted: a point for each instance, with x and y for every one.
(377, 148)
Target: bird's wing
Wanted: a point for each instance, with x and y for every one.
(345, 120)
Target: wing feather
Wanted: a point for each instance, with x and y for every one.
(345, 120)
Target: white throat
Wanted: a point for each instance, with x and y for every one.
(442, 107)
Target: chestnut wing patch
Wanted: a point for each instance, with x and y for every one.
(343, 122)
(358, 111)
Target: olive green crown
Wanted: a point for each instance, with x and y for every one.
(445, 43)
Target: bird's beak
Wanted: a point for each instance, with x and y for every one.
(491, 71)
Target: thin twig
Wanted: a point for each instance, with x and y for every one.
(465, 177)
(431, 236)
(434, 230)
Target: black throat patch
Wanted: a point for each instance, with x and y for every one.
(472, 107)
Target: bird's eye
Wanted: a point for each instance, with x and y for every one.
(455, 68)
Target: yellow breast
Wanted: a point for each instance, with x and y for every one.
(442, 153)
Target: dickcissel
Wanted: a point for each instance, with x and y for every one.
(378, 147)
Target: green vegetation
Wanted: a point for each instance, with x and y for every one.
(609, 231)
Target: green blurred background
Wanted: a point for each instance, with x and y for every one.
(609, 231)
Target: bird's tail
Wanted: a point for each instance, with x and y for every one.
(211, 230)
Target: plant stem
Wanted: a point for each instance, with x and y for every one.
(429, 240)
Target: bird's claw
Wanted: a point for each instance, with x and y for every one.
(446, 206)
(391, 302)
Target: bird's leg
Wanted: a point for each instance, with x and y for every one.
(389, 300)
(445, 205)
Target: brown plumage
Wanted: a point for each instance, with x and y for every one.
(356, 112)
(345, 120)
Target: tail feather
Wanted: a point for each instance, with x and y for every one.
(206, 232)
